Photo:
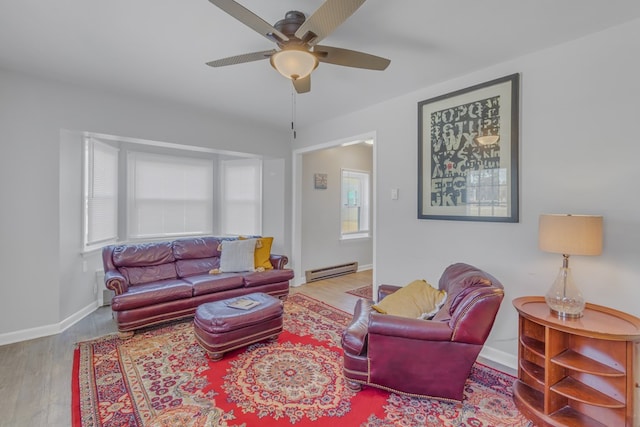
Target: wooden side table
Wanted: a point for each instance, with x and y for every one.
(576, 372)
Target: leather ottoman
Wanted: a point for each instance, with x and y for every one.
(219, 327)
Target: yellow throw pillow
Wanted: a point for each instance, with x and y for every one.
(417, 300)
(263, 252)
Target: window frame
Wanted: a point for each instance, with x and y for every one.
(125, 145)
(132, 202)
(88, 187)
(225, 201)
(365, 204)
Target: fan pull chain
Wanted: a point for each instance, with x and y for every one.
(293, 113)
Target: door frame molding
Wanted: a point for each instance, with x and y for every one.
(296, 216)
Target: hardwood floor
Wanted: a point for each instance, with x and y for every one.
(35, 375)
(333, 291)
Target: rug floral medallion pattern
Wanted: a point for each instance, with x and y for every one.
(162, 377)
(293, 381)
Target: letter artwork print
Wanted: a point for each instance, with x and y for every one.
(465, 172)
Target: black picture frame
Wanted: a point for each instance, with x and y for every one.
(459, 178)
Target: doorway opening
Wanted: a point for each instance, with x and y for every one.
(321, 198)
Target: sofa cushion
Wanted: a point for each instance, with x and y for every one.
(198, 247)
(259, 278)
(152, 273)
(143, 254)
(262, 252)
(417, 300)
(151, 293)
(237, 256)
(192, 267)
(207, 283)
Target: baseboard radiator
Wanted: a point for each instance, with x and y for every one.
(333, 271)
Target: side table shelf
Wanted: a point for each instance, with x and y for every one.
(576, 372)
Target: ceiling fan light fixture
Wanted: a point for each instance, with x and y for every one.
(294, 63)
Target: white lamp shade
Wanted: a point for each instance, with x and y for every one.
(571, 234)
(294, 64)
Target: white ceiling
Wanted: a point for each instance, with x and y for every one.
(159, 47)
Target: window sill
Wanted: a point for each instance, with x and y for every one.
(359, 236)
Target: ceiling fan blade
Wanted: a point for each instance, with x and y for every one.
(330, 15)
(250, 19)
(302, 85)
(239, 59)
(350, 58)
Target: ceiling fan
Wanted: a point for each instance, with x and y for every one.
(298, 53)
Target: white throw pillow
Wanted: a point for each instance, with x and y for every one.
(237, 256)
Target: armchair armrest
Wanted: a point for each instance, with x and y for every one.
(354, 338)
(396, 326)
(278, 261)
(116, 282)
(384, 290)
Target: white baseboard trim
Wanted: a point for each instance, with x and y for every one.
(365, 267)
(78, 316)
(47, 330)
(500, 357)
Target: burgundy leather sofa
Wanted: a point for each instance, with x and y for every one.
(426, 358)
(158, 282)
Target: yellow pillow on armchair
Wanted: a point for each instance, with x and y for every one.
(417, 300)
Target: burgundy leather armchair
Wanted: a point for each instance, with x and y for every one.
(425, 358)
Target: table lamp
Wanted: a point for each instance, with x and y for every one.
(568, 235)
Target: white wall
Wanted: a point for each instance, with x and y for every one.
(579, 153)
(275, 207)
(43, 286)
(320, 213)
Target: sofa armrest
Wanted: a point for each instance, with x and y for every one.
(396, 326)
(354, 338)
(278, 261)
(116, 282)
(384, 290)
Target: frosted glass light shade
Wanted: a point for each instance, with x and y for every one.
(294, 64)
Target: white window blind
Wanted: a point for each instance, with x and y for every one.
(168, 195)
(100, 193)
(241, 192)
(354, 209)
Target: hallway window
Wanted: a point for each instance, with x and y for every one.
(355, 208)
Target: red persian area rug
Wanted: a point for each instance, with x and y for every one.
(161, 377)
(363, 292)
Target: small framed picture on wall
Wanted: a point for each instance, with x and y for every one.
(320, 181)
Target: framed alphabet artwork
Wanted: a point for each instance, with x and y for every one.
(468, 153)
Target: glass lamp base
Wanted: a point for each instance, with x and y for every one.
(564, 299)
(564, 314)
